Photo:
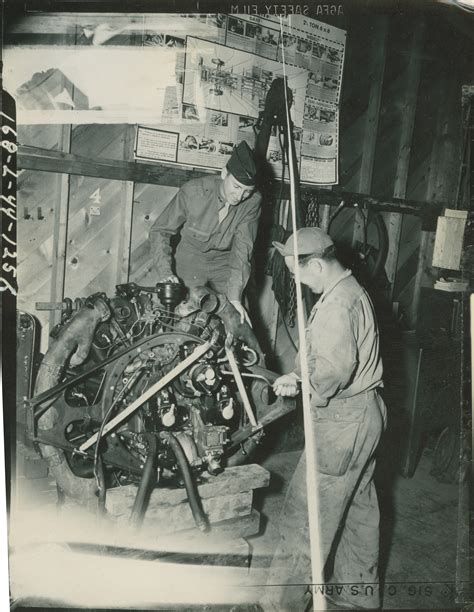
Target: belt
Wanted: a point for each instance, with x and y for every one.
(365, 395)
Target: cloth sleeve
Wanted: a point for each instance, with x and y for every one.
(241, 254)
(167, 225)
(333, 358)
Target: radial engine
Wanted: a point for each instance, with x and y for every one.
(149, 387)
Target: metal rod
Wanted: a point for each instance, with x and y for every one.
(124, 414)
(241, 386)
(41, 397)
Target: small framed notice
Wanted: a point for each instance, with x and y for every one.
(153, 144)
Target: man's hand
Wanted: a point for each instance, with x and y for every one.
(242, 312)
(169, 279)
(286, 385)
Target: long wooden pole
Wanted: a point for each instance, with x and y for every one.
(311, 460)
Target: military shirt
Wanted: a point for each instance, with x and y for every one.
(342, 343)
(195, 211)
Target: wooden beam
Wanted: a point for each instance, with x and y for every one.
(408, 111)
(45, 160)
(33, 158)
(424, 209)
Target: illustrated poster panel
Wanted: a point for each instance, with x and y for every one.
(228, 80)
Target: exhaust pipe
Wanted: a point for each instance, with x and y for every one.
(72, 345)
(211, 302)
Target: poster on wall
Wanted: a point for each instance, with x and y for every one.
(224, 79)
(213, 77)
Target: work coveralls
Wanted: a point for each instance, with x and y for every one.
(347, 416)
(210, 252)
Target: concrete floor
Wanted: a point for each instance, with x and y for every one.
(419, 525)
(418, 533)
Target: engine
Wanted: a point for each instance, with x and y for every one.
(147, 378)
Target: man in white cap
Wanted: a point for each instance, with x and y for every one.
(347, 416)
(217, 217)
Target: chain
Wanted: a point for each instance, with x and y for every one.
(291, 313)
(312, 213)
(312, 219)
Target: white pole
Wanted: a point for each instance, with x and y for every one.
(241, 387)
(121, 416)
(311, 460)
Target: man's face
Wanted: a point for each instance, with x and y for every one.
(310, 273)
(234, 192)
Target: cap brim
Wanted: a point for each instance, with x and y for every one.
(280, 247)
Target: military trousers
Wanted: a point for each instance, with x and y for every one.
(346, 434)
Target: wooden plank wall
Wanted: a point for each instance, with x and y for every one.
(409, 147)
(104, 229)
(353, 114)
(99, 214)
(435, 153)
(418, 133)
(148, 203)
(39, 196)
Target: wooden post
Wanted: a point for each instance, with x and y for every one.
(128, 193)
(412, 80)
(61, 213)
(325, 217)
(379, 48)
(422, 254)
(440, 168)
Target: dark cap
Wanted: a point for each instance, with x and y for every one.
(242, 164)
(310, 241)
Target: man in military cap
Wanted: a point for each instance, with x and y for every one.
(217, 217)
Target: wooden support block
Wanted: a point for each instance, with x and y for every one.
(175, 518)
(231, 480)
(166, 518)
(227, 496)
(240, 527)
(221, 531)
